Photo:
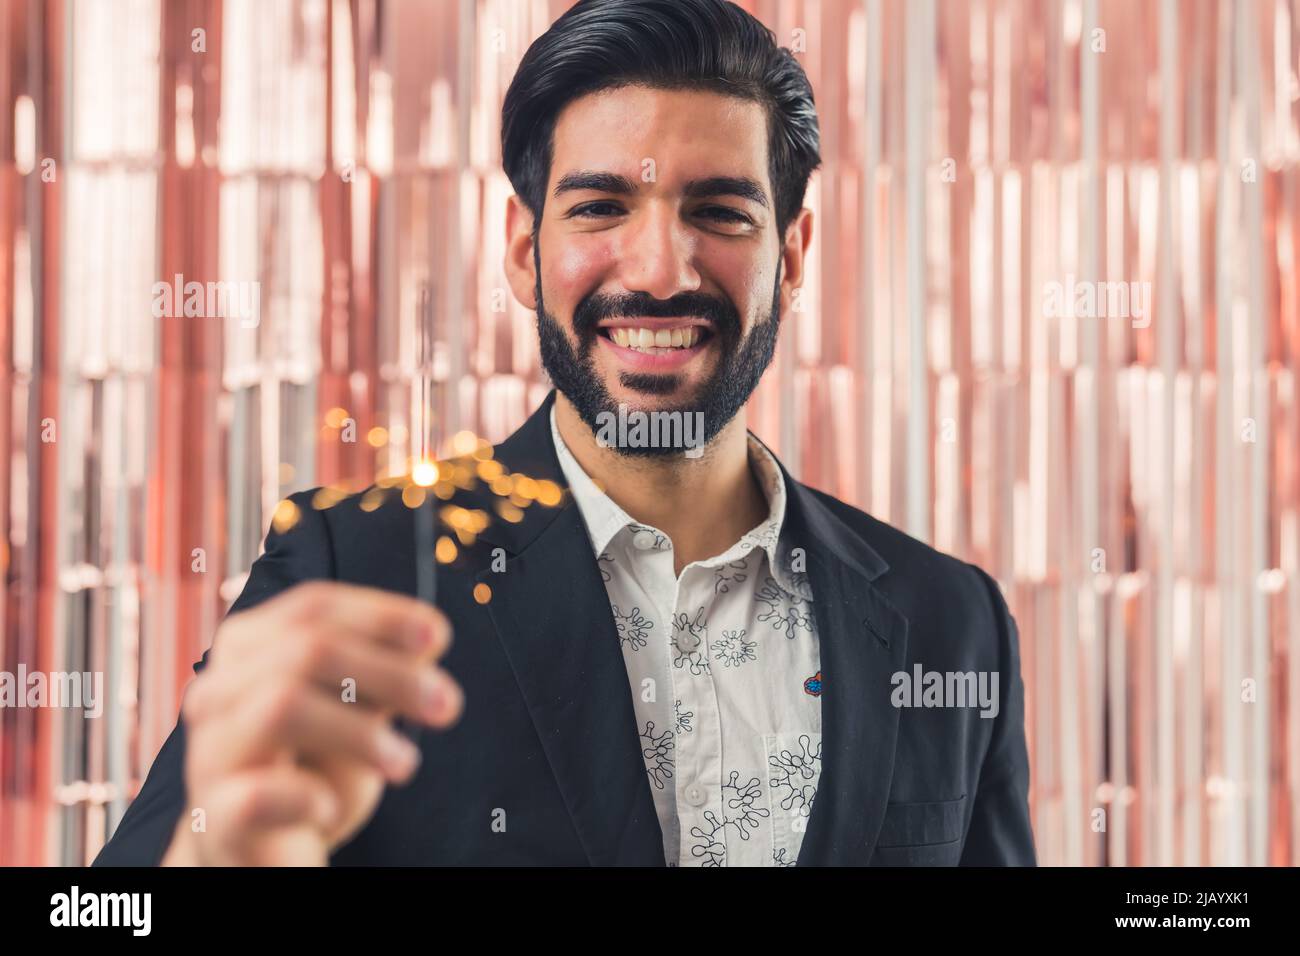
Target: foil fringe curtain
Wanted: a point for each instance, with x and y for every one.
(1132, 482)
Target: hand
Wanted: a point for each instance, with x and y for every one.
(283, 765)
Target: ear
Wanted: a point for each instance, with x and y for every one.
(798, 236)
(518, 261)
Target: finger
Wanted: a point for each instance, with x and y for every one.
(370, 614)
(387, 682)
(278, 796)
(373, 614)
(370, 675)
(306, 722)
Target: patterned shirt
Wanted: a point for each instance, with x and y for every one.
(724, 669)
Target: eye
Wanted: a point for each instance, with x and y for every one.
(725, 214)
(589, 210)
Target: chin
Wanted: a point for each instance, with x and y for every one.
(654, 396)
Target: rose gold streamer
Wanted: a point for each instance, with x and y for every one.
(1134, 486)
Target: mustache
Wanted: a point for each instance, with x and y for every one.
(719, 313)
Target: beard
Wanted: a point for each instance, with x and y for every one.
(742, 359)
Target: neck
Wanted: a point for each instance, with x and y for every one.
(703, 504)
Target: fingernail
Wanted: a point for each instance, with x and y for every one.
(455, 697)
(424, 636)
(433, 694)
(398, 756)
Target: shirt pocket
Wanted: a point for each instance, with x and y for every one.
(794, 766)
(927, 833)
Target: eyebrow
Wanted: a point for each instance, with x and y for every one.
(740, 186)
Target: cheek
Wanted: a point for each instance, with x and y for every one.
(745, 280)
(577, 268)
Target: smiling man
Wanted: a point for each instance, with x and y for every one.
(694, 659)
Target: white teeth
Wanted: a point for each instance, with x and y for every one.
(650, 340)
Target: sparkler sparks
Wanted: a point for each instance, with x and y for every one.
(473, 468)
(428, 482)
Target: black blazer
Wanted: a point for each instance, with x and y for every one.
(548, 733)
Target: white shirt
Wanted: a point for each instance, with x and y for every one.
(724, 669)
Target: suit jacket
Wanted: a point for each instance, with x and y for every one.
(548, 744)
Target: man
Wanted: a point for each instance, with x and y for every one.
(694, 659)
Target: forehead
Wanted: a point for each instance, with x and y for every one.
(686, 132)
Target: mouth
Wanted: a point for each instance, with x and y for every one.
(655, 344)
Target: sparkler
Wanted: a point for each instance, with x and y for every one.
(424, 472)
(430, 481)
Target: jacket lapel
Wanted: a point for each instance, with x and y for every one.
(554, 621)
(863, 642)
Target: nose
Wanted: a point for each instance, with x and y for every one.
(656, 255)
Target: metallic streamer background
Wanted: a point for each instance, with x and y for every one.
(1133, 484)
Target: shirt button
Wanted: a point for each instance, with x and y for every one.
(695, 795)
(644, 540)
(686, 642)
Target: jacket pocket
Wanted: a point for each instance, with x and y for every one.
(922, 824)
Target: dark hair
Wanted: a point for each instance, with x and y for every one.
(664, 44)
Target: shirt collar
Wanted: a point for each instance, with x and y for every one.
(605, 520)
